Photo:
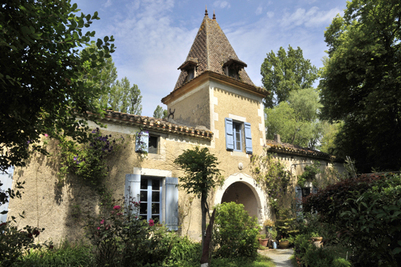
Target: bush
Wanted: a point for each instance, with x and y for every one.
(66, 254)
(120, 238)
(14, 242)
(184, 253)
(364, 213)
(234, 232)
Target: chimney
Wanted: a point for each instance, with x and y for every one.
(277, 138)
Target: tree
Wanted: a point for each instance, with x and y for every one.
(361, 82)
(201, 176)
(160, 113)
(117, 95)
(40, 67)
(124, 98)
(296, 120)
(286, 72)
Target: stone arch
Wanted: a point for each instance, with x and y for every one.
(246, 182)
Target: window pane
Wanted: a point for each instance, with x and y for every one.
(155, 196)
(156, 218)
(144, 183)
(153, 140)
(155, 185)
(144, 196)
(144, 208)
(155, 208)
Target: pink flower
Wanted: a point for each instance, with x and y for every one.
(117, 207)
(151, 222)
(46, 135)
(102, 222)
(98, 228)
(119, 214)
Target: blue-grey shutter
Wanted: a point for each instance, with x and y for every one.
(229, 134)
(132, 188)
(142, 142)
(248, 138)
(171, 202)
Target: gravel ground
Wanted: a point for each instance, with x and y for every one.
(281, 257)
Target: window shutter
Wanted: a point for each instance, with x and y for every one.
(142, 142)
(229, 134)
(248, 138)
(132, 188)
(171, 202)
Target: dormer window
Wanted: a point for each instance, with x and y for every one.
(189, 66)
(232, 67)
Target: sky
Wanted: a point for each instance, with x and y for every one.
(153, 37)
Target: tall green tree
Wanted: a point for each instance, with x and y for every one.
(125, 98)
(286, 72)
(201, 176)
(40, 68)
(160, 113)
(361, 82)
(296, 120)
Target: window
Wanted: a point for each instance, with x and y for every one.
(146, 142)
(190, 74)
(158, 196)
(150, 197)
(238, 136)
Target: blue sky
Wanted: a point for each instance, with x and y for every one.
(153, 37)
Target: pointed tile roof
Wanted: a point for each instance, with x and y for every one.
(211, 51)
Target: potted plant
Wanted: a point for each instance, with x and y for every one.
(284, 243)
(268, 224)
(263, 240)
(316, 237)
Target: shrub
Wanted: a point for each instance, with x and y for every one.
(364, 213)
(184, 253)
(234, 232)
(120, 238)
(66, 254)
(14, 242)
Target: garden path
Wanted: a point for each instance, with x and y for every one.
(280, 257)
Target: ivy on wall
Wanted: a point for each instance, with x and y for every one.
(88, 161)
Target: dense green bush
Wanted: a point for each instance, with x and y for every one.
(14, 242)
(66, 254)
(120, 238)
(234, 232)
(184, 253)
(364, 213)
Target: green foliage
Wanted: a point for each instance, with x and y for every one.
(286, 224)
(14, 242)
(125, 98)
(327, 143)
(361, 82)
(364, 213)
(65, 254)
(309, 173)
(184, 253)
(296, 119)
(160, 113)
(234, 232)
(284, 73)
(201, 176)
(201, 172)
(260, 261)
(40, 67)
(272, 175)
(88, 161)
(120, 238)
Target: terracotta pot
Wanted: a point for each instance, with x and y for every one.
(284, 244)
(263, 242)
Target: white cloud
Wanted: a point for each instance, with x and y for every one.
(107, 4)
(222, 4)
(311, 18)
(259, 10)
(270, 14)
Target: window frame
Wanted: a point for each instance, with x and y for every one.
(142, 141)
(245, 134)
(149, 198)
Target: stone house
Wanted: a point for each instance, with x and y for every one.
(214, 104)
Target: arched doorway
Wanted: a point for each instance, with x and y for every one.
(242, 188)
(240, 193)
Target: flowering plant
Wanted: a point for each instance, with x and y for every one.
(89, 161)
